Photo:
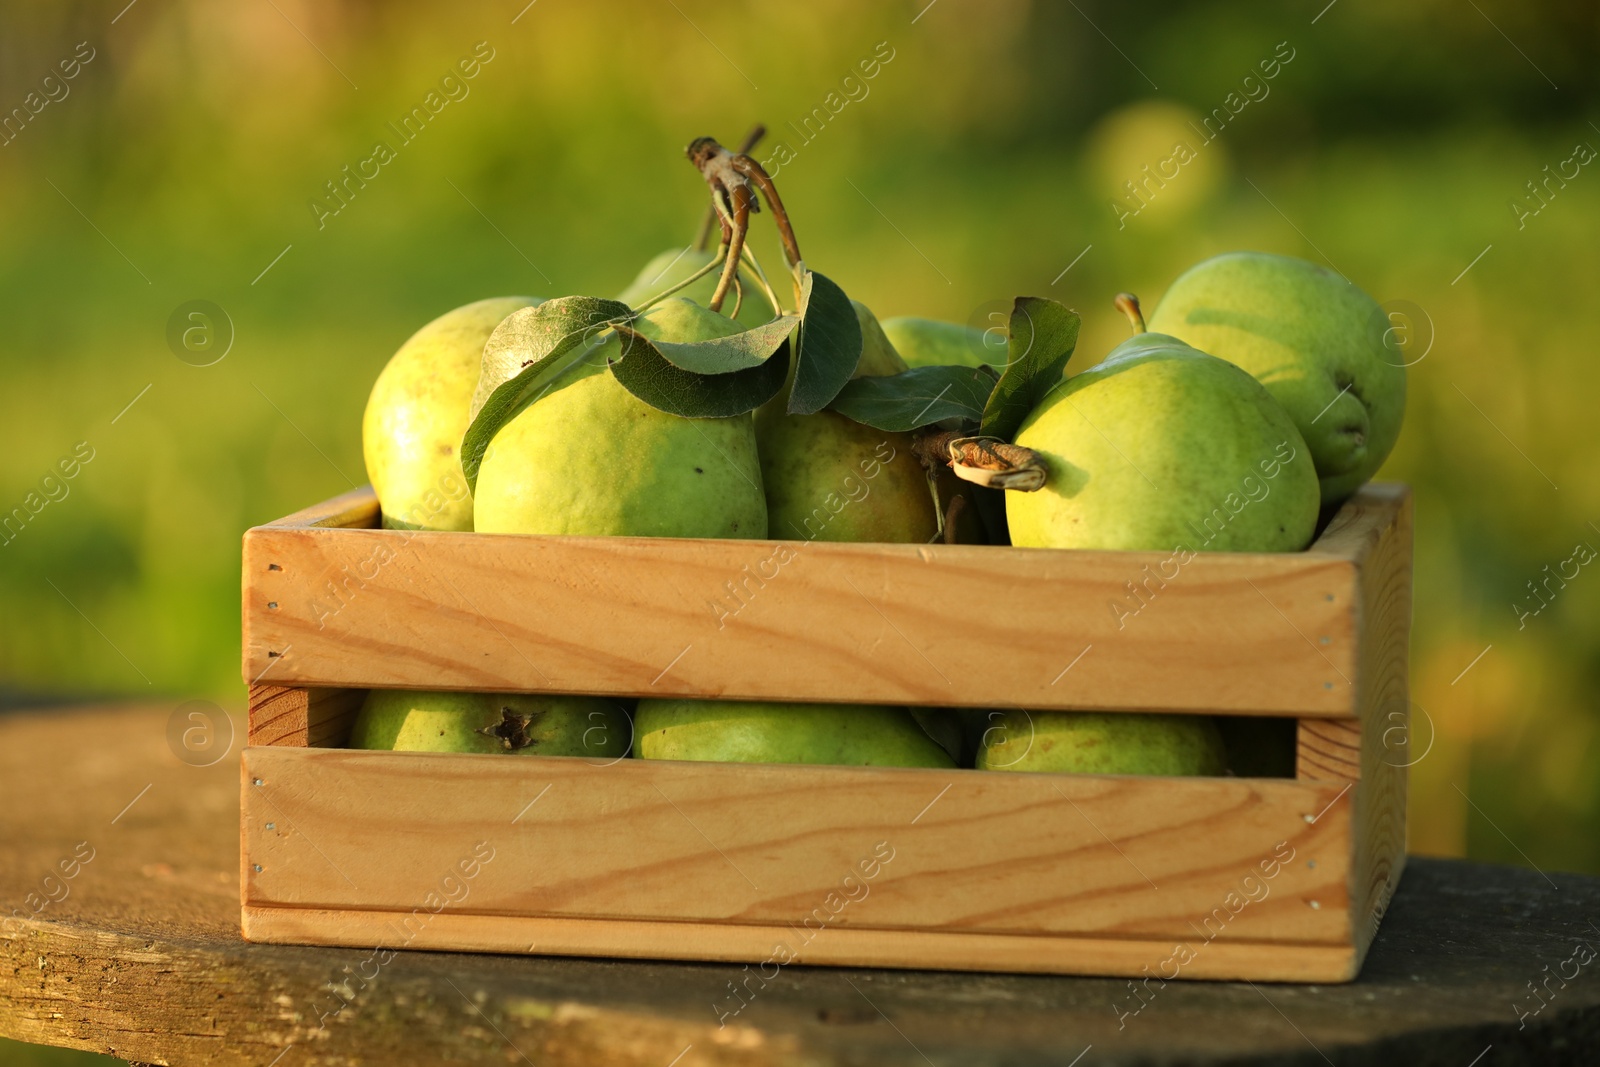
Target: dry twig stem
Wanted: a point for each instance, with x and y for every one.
(986, 461)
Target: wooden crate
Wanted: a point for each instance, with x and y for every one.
(1265, 879)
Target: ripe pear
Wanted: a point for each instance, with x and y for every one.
(676, 264)
(1322, 347)
(417, 414)
(525, 724)
(1072, 742)
(931, 343)
(751, 732)
(592, 458)
(830, 478)
(1163, 448)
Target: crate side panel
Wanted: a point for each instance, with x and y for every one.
(1386, 752)
(1228, 633)
(752, 844)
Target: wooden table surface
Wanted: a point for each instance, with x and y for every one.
(138, 954)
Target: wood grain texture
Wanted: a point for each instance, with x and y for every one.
(143, 960)
(286, 715)
(1379, 824)
(1143, 861)
(1220, 960)
(1232, 633)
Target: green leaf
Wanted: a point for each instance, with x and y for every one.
(524, 356)
(648, 375)
(1043, 335)
(918, 397)
(830, 345)
(736, 352)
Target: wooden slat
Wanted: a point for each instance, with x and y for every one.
(1142, 859)
(1380, 812)
(355, 510)
(1222, 959)
(1232, 633)
(296, 717)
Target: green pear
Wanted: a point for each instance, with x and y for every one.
(526, 724)
(676, 264)
(944, 726)
(1163, 448)
(417, 415)
(751, 732)
(931, 343)
(1074, 742)
(829, 478)
(1322, 347)
(592, 458)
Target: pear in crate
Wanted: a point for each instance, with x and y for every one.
(1070, 742)
(403, 720)
(589, 457)
(1164, 448)
(676, 264)
(1323, 348)
(932, 343)
(829, 478)
(756, 732)
(417, 413)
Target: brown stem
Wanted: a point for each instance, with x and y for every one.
(742, 198)
(1128, 304)
(752, 170)
(703, 240)
(986, 461)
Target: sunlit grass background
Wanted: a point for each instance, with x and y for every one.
(983, 159)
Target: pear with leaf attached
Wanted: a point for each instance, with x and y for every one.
(587, 456)
(829, 478)
(1161, 447)
(402, 720)
(418, 411)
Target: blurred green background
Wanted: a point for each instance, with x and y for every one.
(984, 158)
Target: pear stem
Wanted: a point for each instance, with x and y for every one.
(703, 240)
(761, 275)
(734, 181)
(742, 198)
(1128, 304)
(716, 261)
(986, 461)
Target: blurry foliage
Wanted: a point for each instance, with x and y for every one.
(973, 169)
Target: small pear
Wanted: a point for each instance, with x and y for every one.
(1163, 448)
(402, 720)
(829, 478)
(591, 458)
(676, 264)
(417, 414)
(931, 343)
(751, 732)
(1071, 742)
(1323, 348)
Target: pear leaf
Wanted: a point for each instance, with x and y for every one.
(830, 344)
(921, 396)
(522, 358)
(736, 352)
(532, 334)
(645, 372)
(1043, 335)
